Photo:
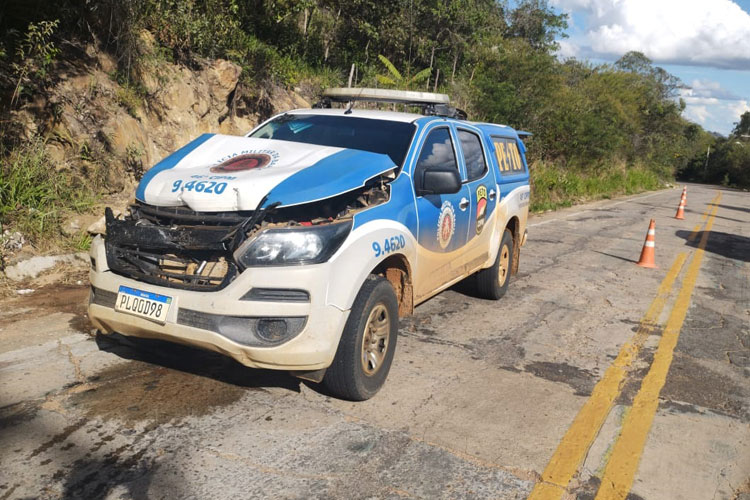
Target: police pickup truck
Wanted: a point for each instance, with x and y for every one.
(298, 246)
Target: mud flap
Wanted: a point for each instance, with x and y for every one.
(311, 375)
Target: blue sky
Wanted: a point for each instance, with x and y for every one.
(705, 43)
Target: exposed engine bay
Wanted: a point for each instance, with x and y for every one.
(180, 248)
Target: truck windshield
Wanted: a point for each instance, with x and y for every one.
(376, 136)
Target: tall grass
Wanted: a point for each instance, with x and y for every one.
(34, 196)
(555, 186)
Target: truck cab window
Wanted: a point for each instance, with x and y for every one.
(473, 155)
(436, 150)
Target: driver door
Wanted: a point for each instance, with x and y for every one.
(443, 218)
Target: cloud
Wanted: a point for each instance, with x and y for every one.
(712, 112)
(697, 114)
(709, 89)
(712, 33)
(567, 49)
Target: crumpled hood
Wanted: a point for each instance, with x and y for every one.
(216, 173)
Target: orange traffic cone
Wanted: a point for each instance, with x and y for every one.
(681, 208)
(684, 192)
(647, 254)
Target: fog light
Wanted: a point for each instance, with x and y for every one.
(258, 332)
(272, 330)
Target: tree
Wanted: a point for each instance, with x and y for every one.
(742, 127)
(635, 62)
(396, 79)
(537, 23)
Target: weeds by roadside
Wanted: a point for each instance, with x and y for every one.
(80, 242)
(34, 196)
(555, 186)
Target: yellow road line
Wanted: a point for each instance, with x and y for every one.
(704, 217)
(626, 454)
(577, 440)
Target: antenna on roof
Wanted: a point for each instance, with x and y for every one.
(432, 104)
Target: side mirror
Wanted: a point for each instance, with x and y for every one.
(440, 180)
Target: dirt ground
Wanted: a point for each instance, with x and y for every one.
(508, 399)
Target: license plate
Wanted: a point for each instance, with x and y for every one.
(144, 304)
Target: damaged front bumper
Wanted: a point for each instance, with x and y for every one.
(255, 317)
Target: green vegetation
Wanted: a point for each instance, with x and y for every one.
(397, 80)
(130, 95)
(34, 52)
(723, 161)
(34, 196)
(599, 129)
(556, 186)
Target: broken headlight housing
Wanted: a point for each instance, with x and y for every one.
(293, 246)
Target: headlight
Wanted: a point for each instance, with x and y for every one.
(292, 246)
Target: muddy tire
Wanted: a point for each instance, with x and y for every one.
(367, 344)
(492, 282)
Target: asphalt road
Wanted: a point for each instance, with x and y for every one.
(592, 378)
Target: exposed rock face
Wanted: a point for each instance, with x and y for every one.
(92, 121)
(109, 134)
(33, 267)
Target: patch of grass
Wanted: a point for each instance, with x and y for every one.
(80, 242)
(312, 80)
(555, 186)
(129, 98)
(130, 95)
(34, 196)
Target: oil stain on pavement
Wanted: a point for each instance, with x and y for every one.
(136, 391)
(165, 381)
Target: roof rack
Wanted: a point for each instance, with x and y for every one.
(432, 104)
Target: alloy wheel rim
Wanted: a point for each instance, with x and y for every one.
(375, 339)
(502, 272)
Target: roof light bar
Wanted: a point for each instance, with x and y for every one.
(431, 104)
(385, 95)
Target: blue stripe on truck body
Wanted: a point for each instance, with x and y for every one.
(336, 174)
(167, 163)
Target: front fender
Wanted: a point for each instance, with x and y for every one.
(359, 255)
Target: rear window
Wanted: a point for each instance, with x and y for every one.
(376, 136)
(508, 157)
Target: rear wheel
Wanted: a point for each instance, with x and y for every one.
(367, 344)
(492, 283)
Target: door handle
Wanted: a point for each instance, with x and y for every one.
(492, 194)
(463, 203)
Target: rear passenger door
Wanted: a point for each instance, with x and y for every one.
(480, 180)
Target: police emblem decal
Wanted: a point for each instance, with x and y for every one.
(446, 224)
(481, 207)
(242, 162)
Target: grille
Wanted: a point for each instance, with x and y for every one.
(277, 295)
(197, 319)
(174, 248)
(190, 271)
(103, 297)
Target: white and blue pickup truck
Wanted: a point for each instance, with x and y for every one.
(298, 246)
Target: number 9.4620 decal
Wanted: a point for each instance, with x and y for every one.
(211, 187)
(389, 245)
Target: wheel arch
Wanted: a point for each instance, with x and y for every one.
(514, 225)
(396, 269)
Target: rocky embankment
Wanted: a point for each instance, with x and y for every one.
(109, 134)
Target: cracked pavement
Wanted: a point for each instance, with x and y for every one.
(478, 399)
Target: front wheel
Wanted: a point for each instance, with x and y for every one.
(492, 283)
(367, 344)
